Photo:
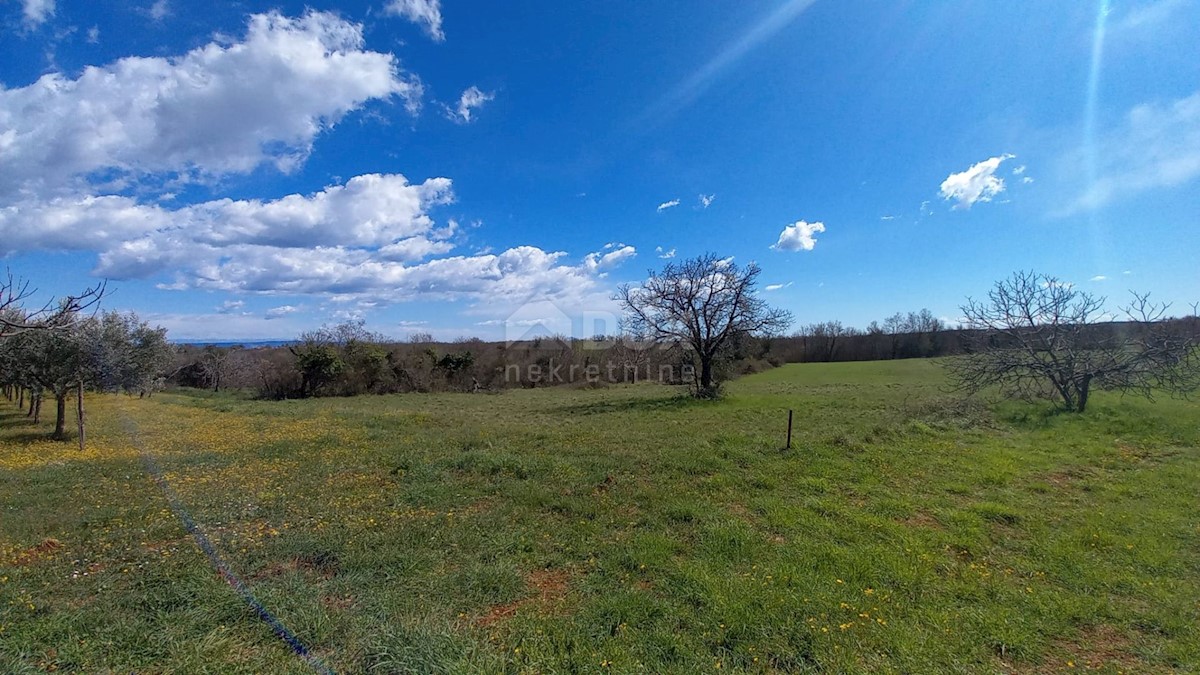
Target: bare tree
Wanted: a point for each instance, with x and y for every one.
(215, 363)
(824, 338)
(16, 318)
(704, 303)
(1038, 337)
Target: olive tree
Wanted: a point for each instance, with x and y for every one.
(705, 303)
(1038, 337)
(109, 352)
(54, 360)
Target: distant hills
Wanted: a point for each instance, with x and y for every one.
(245, 344)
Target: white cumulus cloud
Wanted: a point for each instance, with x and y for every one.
(221, 108)
(135, 239)
(665, 255)
(668, 205)
(798, 236)
(977, 184)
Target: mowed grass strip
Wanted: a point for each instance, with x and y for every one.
(620, 529)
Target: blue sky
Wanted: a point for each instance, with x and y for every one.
(250, 171)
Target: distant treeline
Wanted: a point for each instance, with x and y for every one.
(920, 335)
(348, 360)
(358, 366)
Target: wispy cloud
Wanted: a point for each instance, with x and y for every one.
(664, 254)
(36, 12)
(160, 10)
(668, 205)
(776, 287)
(1148, 16)
(230, 306)
(979, 183)
(706, 200)
(425, 13)
(281, 311)
(1098, 277)
(1053, 283)
(1157, 147)
(472, 99)
(601, 262)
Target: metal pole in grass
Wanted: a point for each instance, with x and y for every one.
(79, 411)
(789, 438)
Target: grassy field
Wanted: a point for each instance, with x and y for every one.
(612, 530)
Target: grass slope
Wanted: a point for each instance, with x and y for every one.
(613, 530)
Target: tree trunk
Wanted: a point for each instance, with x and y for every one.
(60, 416)
(1066, 389)
(21, 398)
(705, 375)
(79, 412)
(1082, 393)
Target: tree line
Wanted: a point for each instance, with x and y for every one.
(696, 322)
(700, 322)
(346, 359)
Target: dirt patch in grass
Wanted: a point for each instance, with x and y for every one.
(1065, 478)
(158, 546)
(1139, 453)
(1101, 647)
(549, 586)
(340, 603)
(46, 549)
(323, 565)
(603, 486)
(922, 519)
(481, 505)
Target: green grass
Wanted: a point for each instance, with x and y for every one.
(612, 530)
